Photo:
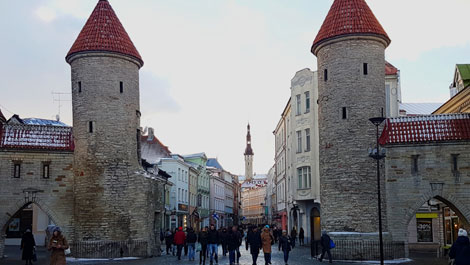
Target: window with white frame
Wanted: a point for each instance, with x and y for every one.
(298, 109)
(307, 140)
(307, 102)
(299, 141)
(304, 177)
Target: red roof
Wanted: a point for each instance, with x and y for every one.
(390, 69)
(154, 140)
(425, 129)
(36, 137)
(104, 32)
(349, 17)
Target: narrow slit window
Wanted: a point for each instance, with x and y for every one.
(16, 170)
(79, 87)
(366, 70)
(344, 113)
(414, 165)
(121, 87)
(90, 126)
(45, 171)
(325, 74)
(455, 166)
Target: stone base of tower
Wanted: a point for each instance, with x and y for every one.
(110, 249)
(365, 246)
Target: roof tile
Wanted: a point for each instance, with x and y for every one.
(349, 17)
(104, 32)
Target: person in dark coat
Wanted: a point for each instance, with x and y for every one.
(254, 240)
(203, 239)
(293, 235)
(191, 239)
(285, 244)
(460, 250)
(242, 235)
(301, 236)
(325, 244)
(224, 241)
(233, 239)
(28, 245)
(168, 241)
(179, 240)
(213, 244)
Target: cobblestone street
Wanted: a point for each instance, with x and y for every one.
(300, 255)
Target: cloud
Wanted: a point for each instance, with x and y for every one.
(46, 14)
(155, 95)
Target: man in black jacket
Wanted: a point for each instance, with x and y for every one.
(213, 243)
(326, 246)
(254, 241)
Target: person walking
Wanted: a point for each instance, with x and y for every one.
(301, 236)
(191, 240)
(58, 244)
(460, 250)
(254, 241)
(240, 241)
(233, 242)
(180, 239)
(267, 240)
(28, 245)
(168, 241)
(326, 246)
(213, 244)
(285, 244)
(203, 239)
(224, 241)
(173, 245)
(293, 235)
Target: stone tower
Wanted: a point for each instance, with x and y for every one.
(350, 49)
(112, 200)
(248, 156)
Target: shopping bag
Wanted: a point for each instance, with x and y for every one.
(67, 251)
(332, 244)
(35, 256)
(198, 247)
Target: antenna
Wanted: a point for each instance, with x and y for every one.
(56, 97)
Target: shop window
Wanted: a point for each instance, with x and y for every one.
(424, 229)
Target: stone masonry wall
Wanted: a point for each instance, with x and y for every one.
(407, 191)
(347, 174)
(56, 196)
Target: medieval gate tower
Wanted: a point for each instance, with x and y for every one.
(112, 202)
(350, 48)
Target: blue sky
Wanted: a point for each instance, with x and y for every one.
(212, 66)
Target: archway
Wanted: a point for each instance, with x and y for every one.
(433, 227)
(315, 231)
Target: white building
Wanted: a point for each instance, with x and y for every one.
(179, 195)
(217, 193)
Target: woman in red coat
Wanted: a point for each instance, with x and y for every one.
(180, 239)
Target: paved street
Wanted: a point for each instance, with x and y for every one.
(299, 255)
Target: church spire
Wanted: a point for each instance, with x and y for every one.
(248, 150)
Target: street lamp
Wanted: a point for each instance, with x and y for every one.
(377, 155)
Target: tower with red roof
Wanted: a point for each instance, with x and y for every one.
(111, 191)
(350, 49)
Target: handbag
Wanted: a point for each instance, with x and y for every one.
(67, 251)
(198, 247)
(35, 256)
(332, 244)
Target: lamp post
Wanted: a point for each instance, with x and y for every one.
(377, 155)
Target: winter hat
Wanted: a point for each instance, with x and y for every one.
(28, 230)
(267, 226)
(181, 228)
(463, 232)
(57, 229)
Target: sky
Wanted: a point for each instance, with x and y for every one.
(213, 66)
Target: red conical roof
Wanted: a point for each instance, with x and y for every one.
(349, 17)
(104, 32)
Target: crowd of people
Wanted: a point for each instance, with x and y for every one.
(207, 242)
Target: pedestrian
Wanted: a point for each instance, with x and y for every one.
(168, 241)
(58, 244)
(460, 250)
(213, 244)
(233, 242)
(254, 240)
(248, 233)
(301, 236)
(180, 239)
(267, 240)
(203, 239)
(191, 239)
(223, 241)
(285, 244)
(28, 245)
(173, 245)
(325, 242)
(242, 235)
(293, 235)
(186, 244)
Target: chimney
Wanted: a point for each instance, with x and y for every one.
(150, 134)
